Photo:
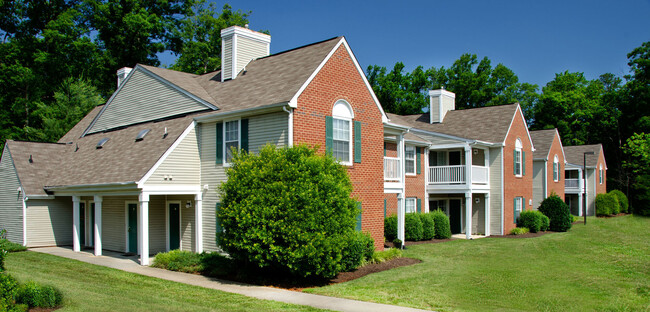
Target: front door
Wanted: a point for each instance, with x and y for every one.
(82, 224)
(133, 227)
(91, 226)
(174, 226)
(454, 216)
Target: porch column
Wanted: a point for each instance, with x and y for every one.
(76, 226)
(487, 214)
(581, 192)
(468, 215)
(143, 228)
(98, 226)
(198, 218)
(400, 155)
(468, 166)
(400, 217)
(426, 178)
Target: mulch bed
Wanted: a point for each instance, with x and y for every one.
(374, 268)
(409, 243)
(42, 309)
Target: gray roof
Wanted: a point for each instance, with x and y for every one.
(574, 154)
(542, 140)
(45, 166)
(489, 124)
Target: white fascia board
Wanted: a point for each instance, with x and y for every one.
(417, 143)
(525, 126)
(436, 147)
(217, 116)
(39, 196)
(166, 154)
(442, 135)
(171, 189)
(393, 126)
(294, 101)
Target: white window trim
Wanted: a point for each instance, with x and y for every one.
(518, 154)
(414, 160)
(556, 167)
(600, 173)
(350, 120)
(520, 204)
(415, 208)
(223, 133)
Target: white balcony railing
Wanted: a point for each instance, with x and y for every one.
(571, 183)
(480, 175)
(447, 174)
(392, 169)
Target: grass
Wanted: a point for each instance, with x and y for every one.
(5, 244)
(604, 266)
(88, 287)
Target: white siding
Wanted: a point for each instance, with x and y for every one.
(538, 182)
(247, 50)
(495, 191)
(144, 98)
(591, 192)
(157, 224)
(227, 58)
(114, 222)
(478, 214)
(11, 204)
(49, 222)
(268, 128)
(182, 164)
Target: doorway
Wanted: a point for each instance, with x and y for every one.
(132, 227)
(174, 225)
(455, 220)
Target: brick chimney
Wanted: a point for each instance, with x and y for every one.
(239, 46)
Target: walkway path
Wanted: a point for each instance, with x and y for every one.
(129, 264)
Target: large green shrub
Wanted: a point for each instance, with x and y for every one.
(531, 219)
(558, 213)
(413, 227)
(442, 227)
(622, 200)
(36, 295)
(606, 204)
(287, 209)
(390, 228)
(359, 248)
(428, 226)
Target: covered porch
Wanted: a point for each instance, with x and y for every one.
(455, 206)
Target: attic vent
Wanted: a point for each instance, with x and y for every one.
(142, 134)
(101, 143)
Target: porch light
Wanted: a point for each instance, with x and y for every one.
(477, 200)
(188, 204)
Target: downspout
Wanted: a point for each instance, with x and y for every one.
(290, 126)
(25, 198)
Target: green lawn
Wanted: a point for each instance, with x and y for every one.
(604, 266)
(88, 287)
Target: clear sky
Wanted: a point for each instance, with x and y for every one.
(536, 39)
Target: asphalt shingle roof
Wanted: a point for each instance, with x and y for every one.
(574, 154)
(542, 140)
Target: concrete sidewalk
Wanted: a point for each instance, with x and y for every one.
(130, 264)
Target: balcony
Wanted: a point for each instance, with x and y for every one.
(392, 169)
(572, 185)
(456, 175)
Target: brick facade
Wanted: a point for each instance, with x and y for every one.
(339, 79)
(414, 183)
(515, 186)
(552, 186)
(601, 188)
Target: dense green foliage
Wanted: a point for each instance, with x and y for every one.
(177, 260)
(558, 213)
(546, 223)
(622, 200)
(287, 209)
(413, 229)
(9, 246)
(606, 204)
(36, 295)
(637, 148)
(533, 220)
(380, 256)
(428, 226)
(443, 229)
(360, 249)
(390, 228)
(519, 231)
(8, 287)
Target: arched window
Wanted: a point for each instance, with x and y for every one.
(556, 169)
(518, 158)
(342, 116)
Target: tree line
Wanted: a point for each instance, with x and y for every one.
(611, 110)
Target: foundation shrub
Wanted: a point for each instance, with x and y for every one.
(606, 204)
(359, 249)
(442, 227)
(413, 229)
(531, 219)
(390, 228)
(40, 296)
(428, 226)
(179, 260)
(546, 223)
(519, 231)
(560, 219)
(622, 200)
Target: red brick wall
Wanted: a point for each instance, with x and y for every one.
(516, 186)
(601, 188)
(552, 186)
(339, 79)
(414, 184)
(391, 204)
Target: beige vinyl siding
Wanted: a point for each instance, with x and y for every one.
(478, 159)
(114, 221)
(182, 164)
(49, 222)
(268, 128)
(591, 192)
(447, 105)
(438, 140)
(539, 175)
(478, 214)
(227, 58)
(11, 203)
(247, 50)
(144, 98)
(496, 190)
(435, 109)
(157, 224)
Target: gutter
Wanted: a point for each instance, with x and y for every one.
(220, 116)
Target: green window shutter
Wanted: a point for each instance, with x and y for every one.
(384, 208)
(329, 133)
(514, 211)
(419, 205)
(357, 141)
(514, 160)
(219, 143)
(523, 163)
(217, 223)
(523, 204)
(358, 228)
(418, 162)
(244, 134)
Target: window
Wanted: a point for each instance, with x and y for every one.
(342, 116)
(231, 139)
(556, 169)
(519, 207)
(438, 204)
(410, 205)
(600, 174)
(518, 157)
(409, 159)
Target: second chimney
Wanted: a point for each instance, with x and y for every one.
(442, 101)
(239, 46)
(122, 73)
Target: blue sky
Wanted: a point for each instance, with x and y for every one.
(536, 39)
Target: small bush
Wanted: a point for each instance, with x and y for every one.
(8, 286)
(178, 260)
(390, 228)
(385, 255)
(442, 227)
(412, 227)
(519, 231)
(11, 246)
(546, 223)
(606, 204)
(360, 247)
(531, 219)
(622, 200)
(36, 295)
(215, 264)
(558, 213)
(3, 254)
(428, 226)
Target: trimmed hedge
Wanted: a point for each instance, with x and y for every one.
(622, 200)
(390, 228)
(360, 248)
(36, 295)
(177, 260)
(413, 229)
(428, 226)
(442, 227)
(606, 204)
(558, 213)
(519, 231)
(533, 220)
